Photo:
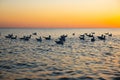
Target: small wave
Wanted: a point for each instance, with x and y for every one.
(116, 78)
(24, 79)
(79, 78)
(5, 67)
(25, 65)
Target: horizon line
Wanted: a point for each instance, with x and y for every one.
(59, 28)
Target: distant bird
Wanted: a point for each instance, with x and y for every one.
(102, 37)
(82, 37)
(73, 34)
(63, 38)
(86, 34)
(14, 37)
(89, 35)
(26, 38)
(39, 39)
(9, 36)
(48, 38)
(106, 33)
(93, 39)
(92, 32)
(109, 34)
(35, 33)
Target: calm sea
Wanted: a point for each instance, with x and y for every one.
(75, 60)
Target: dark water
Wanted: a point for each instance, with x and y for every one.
(75, 60)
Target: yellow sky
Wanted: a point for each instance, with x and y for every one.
(60, 13)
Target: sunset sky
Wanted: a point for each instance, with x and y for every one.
(60, 13)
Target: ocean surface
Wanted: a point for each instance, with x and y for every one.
(75, 60)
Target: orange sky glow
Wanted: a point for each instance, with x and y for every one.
(60, 13)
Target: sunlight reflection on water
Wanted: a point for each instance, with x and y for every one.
(76, 60)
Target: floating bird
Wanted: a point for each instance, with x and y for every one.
(35, 33)
(93, 39)
(73, 34)
(109, 34)
(82, 37)
(89, 35)
(9, 36)
(106, 33)
(26, 38)
(39, 39)
(102, 37)
(63, 38)
(92, 32)
(14, 37)
(48, 38)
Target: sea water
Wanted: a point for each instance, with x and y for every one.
(75, 60)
